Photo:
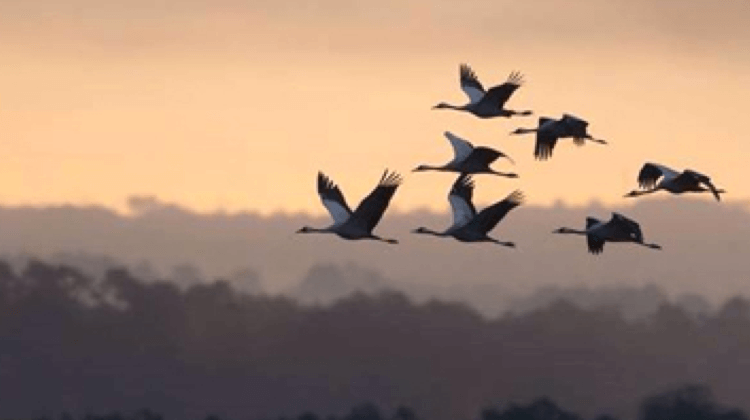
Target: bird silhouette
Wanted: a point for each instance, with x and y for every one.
(359, 223)
(618, 229)
(469, 159)
(486, 103)
(673, 181)
(549, 130)
(468, 225)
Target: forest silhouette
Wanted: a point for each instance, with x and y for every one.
(78, 344)
(686, 403)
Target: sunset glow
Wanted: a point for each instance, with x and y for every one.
(237, 107)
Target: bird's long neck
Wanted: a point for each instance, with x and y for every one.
(444, 105)
(308, 229)
(525, 131)
(521, 113)
(636, 193)
(570, 231)
(432, 168)
(426, 231)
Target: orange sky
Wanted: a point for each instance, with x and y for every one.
(236, 106)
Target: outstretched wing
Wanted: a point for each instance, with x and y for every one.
(574, 124)
(333, 200)
(499, 95)
(626, 227)
(483, 156)
(595, 243)
(591, 222)
(488, 218)
(651, 172)
(461, 148)
(470, 84)
(371, 209)
(574, 127)
(460, 199)
(546, 138)
(544, 121)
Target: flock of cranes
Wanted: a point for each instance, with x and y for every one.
(472, 226)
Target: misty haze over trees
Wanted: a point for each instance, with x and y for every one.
(164, 241)
(326, 283)
(80, 344)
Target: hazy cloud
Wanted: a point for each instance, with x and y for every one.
(705, 247)
(396, 25)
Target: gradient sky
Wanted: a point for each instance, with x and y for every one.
(236, 105)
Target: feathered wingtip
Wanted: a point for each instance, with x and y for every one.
(465, 180)
(324, 182)
(390, 179)
(466, 71)
(517, 197)
(463, 185)
(649, 173)
(515, 78)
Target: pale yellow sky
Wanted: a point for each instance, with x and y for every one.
(237, 106)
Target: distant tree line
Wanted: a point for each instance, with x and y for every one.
(71, 343)
(686, 403)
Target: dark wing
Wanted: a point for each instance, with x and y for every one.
(470, 84)
(483, 156)
(544, 120)
(371, 209)
(591, 222)
(595, 243)
(545, 142)
(488, 218)
(499, 95)
(649, 175)
(574, 126)
(332, 199)
(626, 227)
(460, 198)
(700, 178)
